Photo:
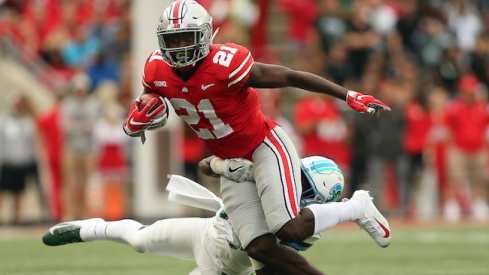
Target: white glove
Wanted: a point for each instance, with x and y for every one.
(237, 169)
(226, 230)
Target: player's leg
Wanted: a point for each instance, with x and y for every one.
(245, 211)
(277, 174)
(183, 238)
(171, 237)
(277, 162)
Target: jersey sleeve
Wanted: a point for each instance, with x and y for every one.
(149, 70)
(238, 70)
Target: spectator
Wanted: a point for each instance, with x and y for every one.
(337, 68)
(111, 158)
(386, 153)
(416, 129)
(360, 40)
(304, 14)
(408, 23)
(17, 155)
(433, 40)
(81, 48)
(464, 21)
(382, 16)
(102, 69)
(448, 70)
(478, 59)
(324, 131)
(438, 136)
(467, 119)
(331, 26)
(80, 112)
(49, 124)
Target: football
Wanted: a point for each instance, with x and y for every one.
(161, 118)
(146, 98)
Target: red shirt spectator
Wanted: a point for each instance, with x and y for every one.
(323, 129)
(303, 15)
(467, 116)
(418, 124)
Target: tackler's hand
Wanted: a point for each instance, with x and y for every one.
(237, 169)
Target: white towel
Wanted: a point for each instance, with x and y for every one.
(188, 192)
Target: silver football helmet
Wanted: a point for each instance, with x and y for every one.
(325, 178)
(190, 18)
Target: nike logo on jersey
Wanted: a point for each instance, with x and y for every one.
(387, 234)
(205, 87)
(231, 170)
(360, 97)
(138, 123)
(57, 227)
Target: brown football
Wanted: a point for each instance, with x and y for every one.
(146, 98)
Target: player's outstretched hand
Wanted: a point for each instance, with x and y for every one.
(365, 103)
(137, 121)
(237, 169)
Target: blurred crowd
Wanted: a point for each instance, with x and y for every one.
(428, 60)
(84, 153)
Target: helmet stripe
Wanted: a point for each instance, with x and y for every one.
(176, 11)
(326, 169)
(324, 165)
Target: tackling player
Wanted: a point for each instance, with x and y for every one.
(211, 242)
(211, 88)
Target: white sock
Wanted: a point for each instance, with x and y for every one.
(118, 231)
(329, 215)
(94, 231)
(121, 231)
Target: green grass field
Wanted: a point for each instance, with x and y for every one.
(345, 251)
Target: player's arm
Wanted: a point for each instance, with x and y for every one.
(205, 167)
(275, 76)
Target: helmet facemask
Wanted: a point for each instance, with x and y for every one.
(197, 48)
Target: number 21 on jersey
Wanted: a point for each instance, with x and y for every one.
(224, 56)
(220, 129)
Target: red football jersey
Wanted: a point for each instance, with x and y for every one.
(213, 102)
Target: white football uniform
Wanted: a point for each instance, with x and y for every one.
(193, 239)
(211, 242)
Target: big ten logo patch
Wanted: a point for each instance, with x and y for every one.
(160, 83)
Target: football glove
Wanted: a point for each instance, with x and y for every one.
(138, 121)
(365, 103)
(237, 169)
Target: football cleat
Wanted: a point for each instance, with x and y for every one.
(374, 222)
(66, 232)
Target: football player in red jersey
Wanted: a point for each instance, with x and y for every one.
(211, 88)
